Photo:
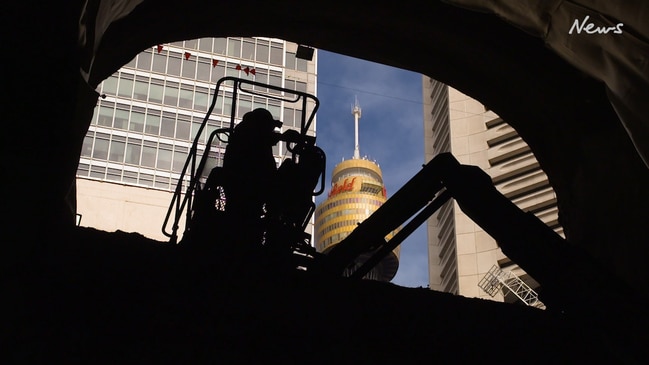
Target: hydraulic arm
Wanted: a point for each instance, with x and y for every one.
(526, 240)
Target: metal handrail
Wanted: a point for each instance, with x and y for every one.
(180, 204)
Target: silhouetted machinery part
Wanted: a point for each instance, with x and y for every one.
(499, 280)
(290, 205)
(526, 240)
(270, 206)
(275, 219)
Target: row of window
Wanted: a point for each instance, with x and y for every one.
(174, 94)
(354, 200)
(153, 122)
(259, 50)
(171, 94)
(200, 68)
(133, 150)
(358, 171)
(205, 69)
(128, 176)
(331, 240)
(343, 212)
(164, 124)
(351, 223)
(136, 152)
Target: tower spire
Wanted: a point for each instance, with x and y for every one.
(356, 112)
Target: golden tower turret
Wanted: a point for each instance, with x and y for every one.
(357, 190)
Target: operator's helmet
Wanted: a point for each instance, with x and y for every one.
(250, 145)
(263, 115)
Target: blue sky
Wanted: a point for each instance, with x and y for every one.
(390, 133)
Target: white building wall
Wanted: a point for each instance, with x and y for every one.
(111, 206)
(477, 136)
(477, 252)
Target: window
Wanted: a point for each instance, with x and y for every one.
(109, 86)
(231, 70)
(105, 116)
(144, 60)
(173, 68)
(116, 151)
(276, 53)
(130, 63)
(182, 129)
(86, 149)
(130, 177)
(189, 68)
(141, 90)
(219, 45)
(274, 108)
(100, 151)
(289, 117)
(160, 62)
(262, 51)
(205, 44)
(196, 125)
(262, 77)
(83, 169)
(148, 155)
(191, 43)
(146, 179)
(185, 98)
(97, 172)
(227, 104)
(133, 150)
(171, 94)
(167, 127)
(125, 87)
(298, 118)
(203, 70)
(136, 124)
(244, 106)
(258, 103)
(275, 79)
(301, 65)
(289, 63)
(152, 124)
(234, 47)
(121, 119)
(161, 182)
(164, 158)
(179, 160)
(218, 72)
(201, 101)
(155, 93)
(248, 50)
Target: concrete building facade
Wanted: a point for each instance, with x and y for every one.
(150, 112)
(460, 252)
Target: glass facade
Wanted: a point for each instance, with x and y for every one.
(151, 109)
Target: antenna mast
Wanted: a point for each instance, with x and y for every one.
(356, 112)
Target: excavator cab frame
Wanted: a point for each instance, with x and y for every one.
(193, 174)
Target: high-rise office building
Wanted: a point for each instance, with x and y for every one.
(149, 114)
(357, 191)
(460, 253)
